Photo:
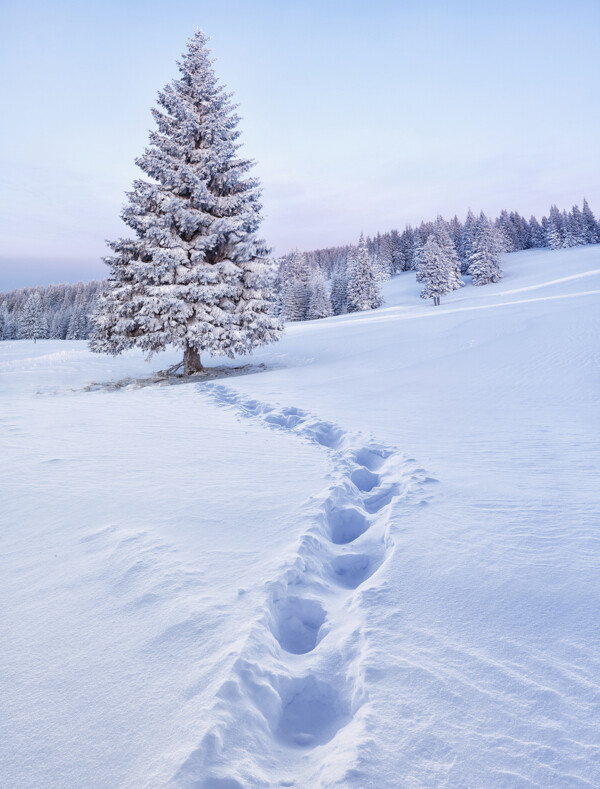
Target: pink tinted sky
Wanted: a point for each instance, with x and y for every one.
(361, 117)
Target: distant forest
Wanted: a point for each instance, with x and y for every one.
(316, 284)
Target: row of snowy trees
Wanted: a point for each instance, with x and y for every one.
(56, 312)
(336, 280)
(439, 266)
(354, 285)
(472, 247)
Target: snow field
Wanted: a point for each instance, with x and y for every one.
(128, 531)
(258, 585)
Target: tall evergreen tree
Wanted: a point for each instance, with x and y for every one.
(297, 295)
(319, 304)
(537, 237)
(507, 229)
(577, 226)
(591, 228)
(568, 237)
(339, 289)
(363, 289)
(452, 262)
(33, 321)
(195, 276)
(5, 323)
(467, 238)
(485, 266)
(434, 271)
(555, 230)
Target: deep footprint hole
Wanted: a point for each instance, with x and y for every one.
(370, 458)
(352, 569)
(326, 434)
(381, 499)
(346, 524)
(296, 623)
(312, 712)
(364, 479)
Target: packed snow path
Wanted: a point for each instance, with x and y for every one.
(293, 711)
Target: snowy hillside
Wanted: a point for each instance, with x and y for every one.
(374, 564)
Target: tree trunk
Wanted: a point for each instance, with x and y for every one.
(191, 361)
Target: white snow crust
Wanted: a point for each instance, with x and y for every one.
(375, 564)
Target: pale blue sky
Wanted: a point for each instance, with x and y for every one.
(362, 116)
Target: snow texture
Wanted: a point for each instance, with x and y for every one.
(375, 564)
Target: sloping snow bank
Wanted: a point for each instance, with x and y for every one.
(222, 586)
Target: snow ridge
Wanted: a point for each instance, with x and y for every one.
(297, 698)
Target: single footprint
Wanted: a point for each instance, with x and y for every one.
(311, 712)
(371, 458)
(364, 479)
(346, 524)
(351, 569)
(296, 622)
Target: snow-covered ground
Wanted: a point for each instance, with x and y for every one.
(376, 564)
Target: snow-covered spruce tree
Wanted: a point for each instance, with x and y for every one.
(319, 304)
(485, 266)
(296, 296)
(577, 226)
(467, 238)
(555, 230)
(536, 233)
(339, 289)
(5, 323)
(568, 239)
(363, 288)
(434, 271)
(195, 276)
(591, 227)
(33, 325)
(442, 236)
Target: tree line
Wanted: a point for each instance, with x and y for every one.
(440, 252)
(335, 280)
(55, 312)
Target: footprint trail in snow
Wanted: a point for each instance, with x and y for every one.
(296, 701)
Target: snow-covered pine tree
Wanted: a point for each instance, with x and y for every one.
(537, 237)
(363, 288)
(406, 247)
(418, 259)
(33, 324)
(78, 325)
(442, 236)
(577, 226)
(568, 237)
(591, 229)
(296, 295)
(467, 237)
(381, 270)
(319, 304)
(555, 230)
(485, 266)
(5, 322)
(384, 263)
(455, 231)
(339, 289)
(506, 226)
(195, 276)
(396, 252)
(434, 271)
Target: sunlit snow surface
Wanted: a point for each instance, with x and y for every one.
(375, 564)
